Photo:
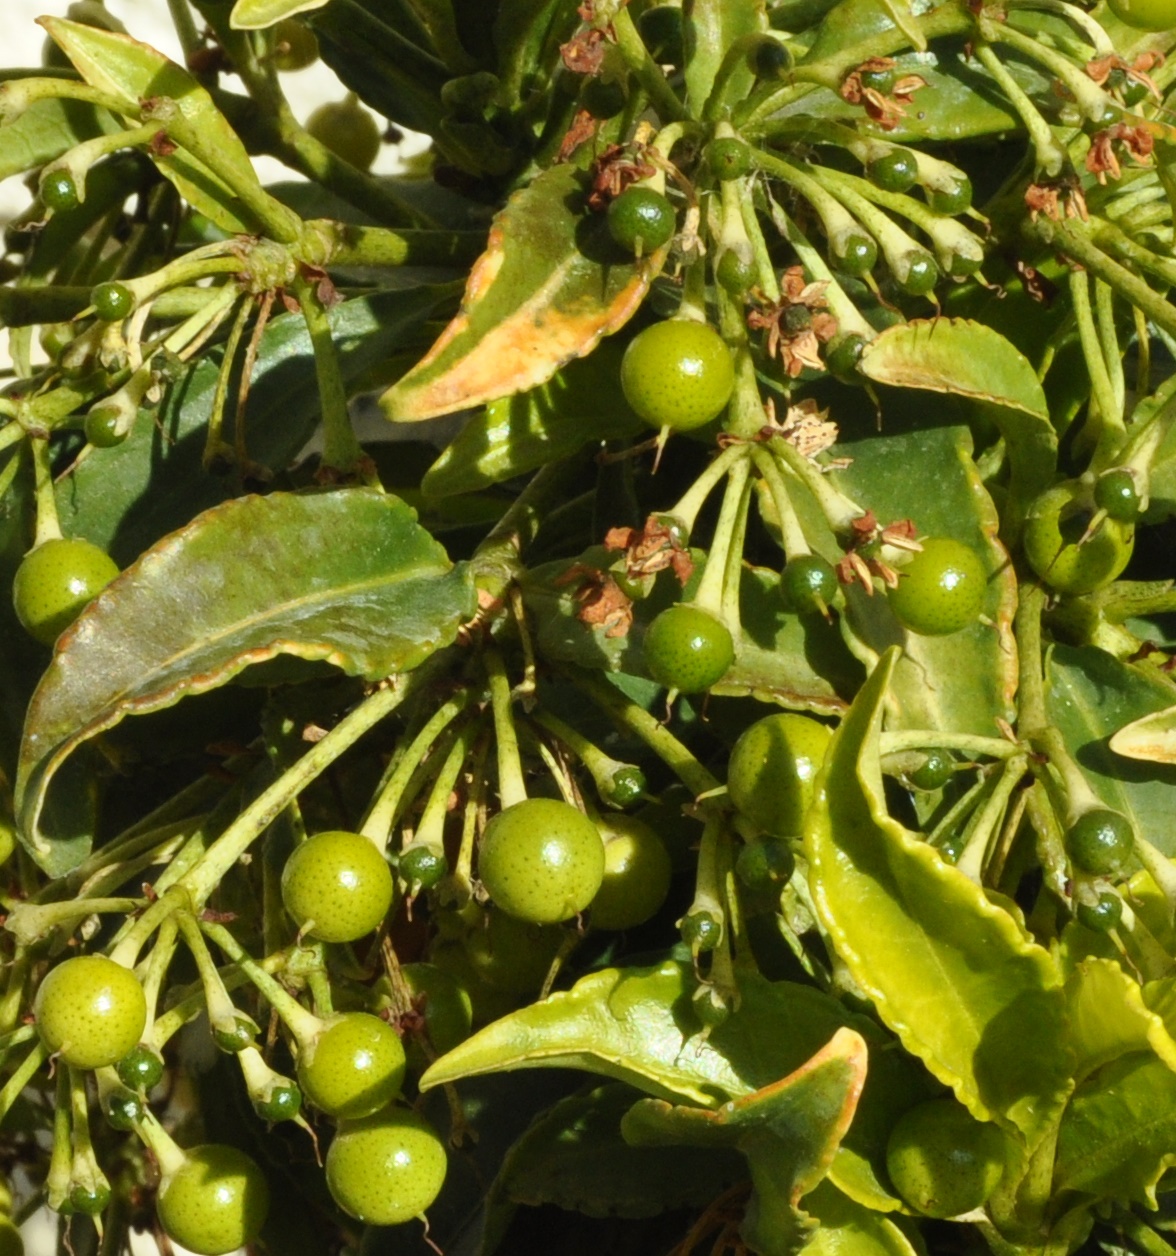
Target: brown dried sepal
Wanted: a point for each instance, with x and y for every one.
(797, 324)
(1140, 69)
(649, 550)
(1102, 159)
(862, 562)
(806, 427)
(602, 602)
(886, 111)
(613, 171)
(584, 127)
(1056, 198)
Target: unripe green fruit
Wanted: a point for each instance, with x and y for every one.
(660, 28)
(881, 81)
(934, 772)
(112, 302)
(89, 1200)
(386, 1168)
(339, 883)
(678, 374)
(55, 581)
(295, 45)
(771, 59)
(735, 272)
(688, 649)
(636, 874)
(104, 427)
(541, 860)
(809, 583)
(701, 931)
(1103, 914)
(446, 1007)
(1100, 842)
(940, 589)
(283, 1103)
(766, 865)
(856, 255)
(729, 158)
(1116, 493)
(772, 771)
(1146, 15)
(141, 1068)
(215, 1202)
(626, 786)
(1057, 521)
(641, 220)
(942, 1161)
(123, 1111)
(355, 1066)
(60, 192)
(604, 98)
(895, 172)
(951, 200)
(422, 867)
(90, 1011)
(348, 130)
(922, 274)
(513, 955)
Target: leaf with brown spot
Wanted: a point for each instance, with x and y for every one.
(548, 287)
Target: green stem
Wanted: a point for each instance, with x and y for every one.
(974, 857)
(921, 739)
(1051, 157)
(709, 892)
(838, 509)
(329, 243)
(603, 768)
(14, 1087)
(791, 533)
(511, 787)
(48, 525)
(154, 971)
(733, 569)
(692, 501)
(709, 596)
(17, 95)
(431, 829)
(1100, 382)
(765, 269)
(1092, 100)
(214, 442)
(1119, 244)
(644, 69)
(1104, 304)
(31, 922)
(1031, 710)
(223, 1015)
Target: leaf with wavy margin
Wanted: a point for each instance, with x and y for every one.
(1108, 1017)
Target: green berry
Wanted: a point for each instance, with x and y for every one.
(701, 931)
(353, 1067)
(541, 860)
(641, 220)
(856, 254)
(1054, 544)
(934, 772)
(922, 274)
(626, 786)
(729, 158)
(636, 875)
(660, 28)
(881, 81)
(60, 192)
(295, 45)
(123, 1111)
(141, 1069)
(894, 172)
(89, 1200)
(709, 1006)
(771, 774)
(337, 886)
(941, 589)
(604, 98)
(348, 130)
(953, 200)
(766, 864)
(809, 583)
(1115, 492)
(386, 1168)
(112, 302)
(942, 1161)
(422, 867)
(104, 427)
(513, 955)
(688, 649)
(772, 59)
(1100, 842)
(735, 272)
(55, 581)
(283, 1103)
(90, 1011)
(678, 374)
(215, 1202)
(1103, 914)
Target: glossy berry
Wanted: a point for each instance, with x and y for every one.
(89, 1200)
(90, 1011)
(348, 130)
(215, 1202)
(60, 192)
(772, 771)
(283, 1103)
(141, 1068)
(541, 860)
(105, 427)
(1134, 92)
(112, 302)
(1103, 914)
(1100, 842)
(636, 875)
(387, 1168)
(123, 1110)
(55, 581)
(941, 589)
(626, 786)
(964, 264)
(337, 886)
(355, 1066)
(1147, 15)
(677, 374)
(941, 1160)
(922, 274)
(688, 649)
(660, 28)
(953, 200)
(234, 1035)
(771, 59)
(894, 172)
(880, 80)
(295, 45)
(422, 867)
(735, 271)
(641, 220)
(934, 772)
(709, 1006)
(809, 583)
(1115, 492)
(728, 158)
(701, 931)
(1054, 545)
(856, 254)
(766, 864)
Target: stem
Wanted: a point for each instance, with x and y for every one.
(644, 69)
(223, 1015)
(709, 596)
(14, 1087)
(214, 442)
(1051, 157)
(155, 971)
(1091, 98)
(838, 509)
(31, 922)
(1031, 711)
(603, 768)
(431, 829)
(1112, 355)
(709, 896)
(692, 501)
(733, 569)
(48, 525)
(920, 739)
(511, 788)
(327, 242)
(161, 1144)
(1100, 382)
(974, 857)
(791, 533)
(759, 246)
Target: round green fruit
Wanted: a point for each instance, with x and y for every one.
(348, 130)
(1052, 540)
(1100, 842)
(112, 302)
(688, 649)
(701, 931)
(922, 274)
(141, 1068)
(55, 581)
(1103, 914)
(445, 1005)
(386, 1168)
(809, 583)
(1147, 15)
(953, 200)
(337, 886)
(60, 192)
(641, 219)
(512, 955)
(772, 771)
(942, 1161)
(90, 1011)
(941, 589)
(772, 59)
(355, 1066)
(895, 172)
(283, 1103)
(295, 45)
(1115, 492)
(729, 158)
(215, 1202)
(934, 772)
(856, 254)
(766, 865)
(541, 860)
(660, 28)
(735, 272)
(104, 427)
(678, 374)
(636, 874)
(422, 867)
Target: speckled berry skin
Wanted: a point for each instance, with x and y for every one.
(55, 581)
(340, 882)
(541, 860)
(678, 374)
(688, 649)
(941, 589)
(387, 1168)
(942, 1161)
(772, 771)
(90, 1011)
(354, 1067)
(636, 874)
(215, 1202)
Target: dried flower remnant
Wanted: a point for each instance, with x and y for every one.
(885, 108)
(862, 561)
(797, 324)
(654, 548)
(602, 602)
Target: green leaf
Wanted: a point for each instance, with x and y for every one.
(1151, 737)
(1118, 1132)
(574, 1156)
(580, 405)
(125, 498)
(848, 1228)
(964, 682)
(255, 15)
(712, 27)
(526, 36)
(967, 359)
(637, 1025)
(346, 576)
(789, 1132)
(548, 287)
(1108, 1018)
(46, 129)
(961, 984)
(125, 68)
(1090, 696)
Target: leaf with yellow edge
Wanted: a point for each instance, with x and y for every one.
(954, 975)
(550, 284)
(1151, 737)
(255, 15)
(1108, 1018)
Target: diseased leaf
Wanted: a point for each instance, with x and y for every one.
(1090, 695)
(955, 977)
(549, 285)
(255, 15)
(789, 1132)
(1118, 1132)
(1108, 1018)
(346, 576)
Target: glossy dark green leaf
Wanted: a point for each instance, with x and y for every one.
(713, 27)
(574, 1156)
(789, 1132)
(127, 497)
(580, 405)
(526, 35)
(548, 287)
(346, 576)
(964, 987)
(1090, 695)
(1117, 1133)
(963, 682)
(45, 130)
